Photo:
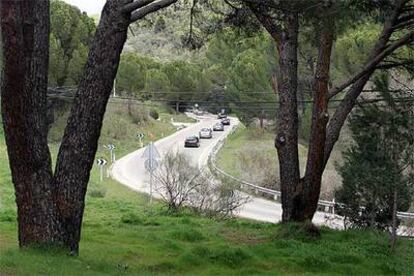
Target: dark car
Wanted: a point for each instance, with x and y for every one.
(226, 121)
(218, 127)
(206, 133)
(221, 116)
(192, 142)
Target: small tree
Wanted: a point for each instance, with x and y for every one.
(179, 184)
(176, 180)
(377, 178)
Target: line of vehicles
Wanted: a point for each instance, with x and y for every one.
(207, 133)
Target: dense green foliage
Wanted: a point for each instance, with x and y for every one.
(378, 163)
(243, 67)
(232, 69)
(71, 35)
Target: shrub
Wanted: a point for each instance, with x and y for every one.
(131, 218)
(137, 113)
(180, 184)
(154, 114)
(96, 190)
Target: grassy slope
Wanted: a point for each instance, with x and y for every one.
(246, 149)
(121, 234)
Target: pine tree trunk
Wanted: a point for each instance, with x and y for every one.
(316, 153)
(25, 33)
(286, 141)
(80, 141)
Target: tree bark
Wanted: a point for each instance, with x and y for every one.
(315, 161)
(80, 140)
(25, 34)
(50, 208)
(286, 140)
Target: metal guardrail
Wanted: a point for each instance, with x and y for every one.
(325, 205)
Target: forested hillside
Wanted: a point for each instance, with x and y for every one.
(212, 62)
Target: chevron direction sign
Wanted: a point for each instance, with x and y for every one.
(101, 163)
(111, 148)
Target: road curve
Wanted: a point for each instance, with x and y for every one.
(130, 171)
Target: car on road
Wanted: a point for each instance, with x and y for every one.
(221, 116)
(192, 142)
(206, 133)
(225, 122)
(218, 127)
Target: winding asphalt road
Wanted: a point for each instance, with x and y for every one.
(130, 171)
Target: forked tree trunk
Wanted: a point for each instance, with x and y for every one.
(25, 25)
(80, 140)
(50, 208)
(300, 196)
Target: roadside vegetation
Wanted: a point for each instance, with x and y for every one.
(250, 149)
(124, 120)
(123, 235)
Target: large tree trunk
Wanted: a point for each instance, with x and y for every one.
(25, 33)
(80, 141)
(286, 84)
(50, 208)
(300, 196)
(315, 161)
(286, 141)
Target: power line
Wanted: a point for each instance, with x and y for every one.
(223, 92)
(396, 99)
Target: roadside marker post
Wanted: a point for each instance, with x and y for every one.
(101, 163)
(140, 137)
(151, 163)
(111, 149)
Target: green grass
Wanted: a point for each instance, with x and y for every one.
(122, 234)
(248, 150)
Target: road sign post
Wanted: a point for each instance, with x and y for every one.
(101, 163)
(140, 137)
(111, 149)
(151, 163)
